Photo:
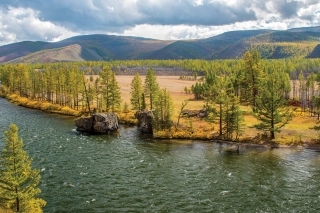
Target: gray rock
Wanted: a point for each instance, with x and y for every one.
(195, 113)
(145, 119)
(98, 123)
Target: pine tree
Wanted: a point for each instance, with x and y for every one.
(18, 181)
(252, 72)
(233, 118)
(110, 89)
(136, 92)
(115, 94)
(151, 87)
(271, 105)
(163, 110)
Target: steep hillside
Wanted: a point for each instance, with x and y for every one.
(299, 42)
(12, 51)
(68, 53)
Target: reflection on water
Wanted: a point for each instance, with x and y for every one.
(126, 172)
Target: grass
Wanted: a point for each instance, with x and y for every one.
(295, 132)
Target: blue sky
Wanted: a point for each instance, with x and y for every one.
(54, 20)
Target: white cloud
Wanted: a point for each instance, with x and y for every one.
(24, 24)
(165, 19)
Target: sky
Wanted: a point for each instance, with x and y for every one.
(55, 20)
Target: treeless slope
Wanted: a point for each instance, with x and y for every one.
(68, 53)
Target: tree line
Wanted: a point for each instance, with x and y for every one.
(223, 83)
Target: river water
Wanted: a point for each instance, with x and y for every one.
(127, 172)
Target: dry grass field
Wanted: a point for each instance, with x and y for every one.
(171, 83)
(296, 132)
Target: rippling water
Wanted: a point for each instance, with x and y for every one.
(125, 172)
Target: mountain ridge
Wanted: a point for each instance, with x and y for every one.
(297, 42)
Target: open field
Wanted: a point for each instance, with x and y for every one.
(293, 133)
(171, 83)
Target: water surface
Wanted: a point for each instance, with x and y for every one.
(126, 172)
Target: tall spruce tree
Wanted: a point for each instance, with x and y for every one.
(271, 106)
(151, 87)
(136, 92)
(18, 181)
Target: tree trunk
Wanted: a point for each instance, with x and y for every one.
(272, 135)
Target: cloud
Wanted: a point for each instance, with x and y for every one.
(165, 19)
(19, 24)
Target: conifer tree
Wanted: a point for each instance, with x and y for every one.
(271, 105)
(233, 118)
(18, 181)
(136, 92)
(252, 72)
(115, 94)
(163, 110)
(151, 87)
(110, 89)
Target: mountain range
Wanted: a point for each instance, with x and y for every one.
(272, 44)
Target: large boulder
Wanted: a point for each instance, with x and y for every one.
(98, 123)
(145, 118)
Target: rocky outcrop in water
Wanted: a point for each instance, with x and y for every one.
(145, 119)
(98, 123)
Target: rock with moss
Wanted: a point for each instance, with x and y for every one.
(101, 123)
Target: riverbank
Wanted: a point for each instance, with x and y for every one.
(42, 105)
(196, 130)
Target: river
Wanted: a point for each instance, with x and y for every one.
(127, 172)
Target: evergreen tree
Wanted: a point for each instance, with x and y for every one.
(136, 92)
(115, 94)
(163, 110)
(151, 87)
(110, 89)
(271, 105)
(251, 75)
(18, 181)
(233, 118)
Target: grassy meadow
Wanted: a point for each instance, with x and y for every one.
(295, 132)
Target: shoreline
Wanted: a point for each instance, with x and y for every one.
(66, 111)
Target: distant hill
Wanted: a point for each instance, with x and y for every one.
(298, 42)
(67, 53)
